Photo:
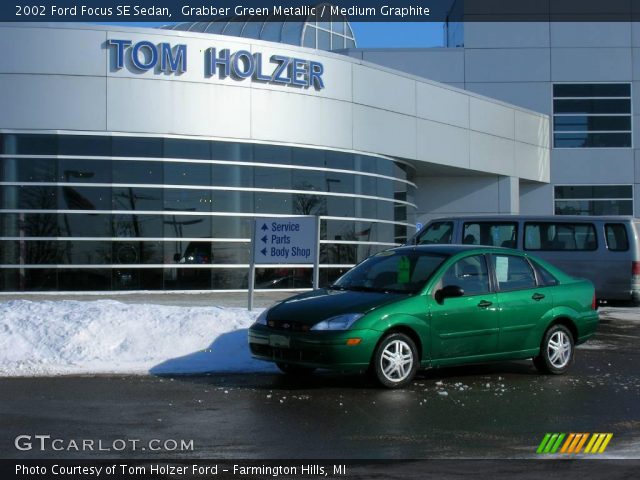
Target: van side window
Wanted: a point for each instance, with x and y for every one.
(490, 233)
(437, 232)
(549, 236)
(513, 273)
(616, 235)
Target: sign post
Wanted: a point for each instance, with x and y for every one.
(284, 240)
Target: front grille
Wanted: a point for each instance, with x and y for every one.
(286, 354)
(288, 326)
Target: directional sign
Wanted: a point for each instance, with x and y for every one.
(283, 240)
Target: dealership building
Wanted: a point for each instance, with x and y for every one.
(137, 158)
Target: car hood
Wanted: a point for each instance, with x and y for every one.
(313, 307)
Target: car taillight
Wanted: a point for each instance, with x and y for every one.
(635, 268)
(594, 302)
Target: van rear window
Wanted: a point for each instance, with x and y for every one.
(616, 235)
(556, 236)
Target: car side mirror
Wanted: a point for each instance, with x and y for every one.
(450, 291)
(176, 257)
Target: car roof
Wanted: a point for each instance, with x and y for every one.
(453, 249)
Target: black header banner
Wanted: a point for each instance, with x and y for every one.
(327, 469)
(171, 11)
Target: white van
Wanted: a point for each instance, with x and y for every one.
(606, 250)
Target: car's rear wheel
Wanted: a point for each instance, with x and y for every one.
(395, 361)
(292, 369)
(556, 351)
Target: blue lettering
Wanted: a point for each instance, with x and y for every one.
(171, 63)
(316, 70)
(258, 75)
(242, 57)
(282, 67)
(299, 72)
(153, 55)
(224, 61)
(120, 44)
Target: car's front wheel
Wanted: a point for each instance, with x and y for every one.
(556, 351)
(292, 369)
(395, 361)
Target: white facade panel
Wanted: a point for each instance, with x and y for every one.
(177, 108)
(52, 51)
(491, 154)
(532, 162)
(385, 90)
(52, 102)
(535, 96)
(439, 64)
(507, 65)
(442, 105)
(491, 118)
(300, 119)
(635, 52)
(590, 34)
(591, 64)
(384, 132)
(533, 129)
(443, 144)
(442, 196)
(635, 34)
(592, 166)
(506, 34)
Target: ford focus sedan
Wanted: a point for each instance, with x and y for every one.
(430, 306)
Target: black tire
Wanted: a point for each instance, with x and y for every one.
(292, 369)
(395, 361)
(556, 351)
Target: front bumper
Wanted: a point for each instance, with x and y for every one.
(313, 349)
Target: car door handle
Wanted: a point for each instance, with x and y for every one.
(485, 304)
(537, 297)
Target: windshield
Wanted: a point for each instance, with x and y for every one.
(391, 271)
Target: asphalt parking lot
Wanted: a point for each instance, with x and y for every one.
(499, 410)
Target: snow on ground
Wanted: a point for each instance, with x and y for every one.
(628, 314)
(107, 336)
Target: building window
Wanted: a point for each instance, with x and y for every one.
(592, 115)
(594, 200)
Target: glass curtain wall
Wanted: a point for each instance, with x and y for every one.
(89, 212)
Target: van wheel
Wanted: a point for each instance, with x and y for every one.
(556, 351)
(395, 361)
(291, 369)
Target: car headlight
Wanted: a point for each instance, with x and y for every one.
(339, 322)
(262, 318)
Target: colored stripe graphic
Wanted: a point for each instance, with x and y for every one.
(573, 443)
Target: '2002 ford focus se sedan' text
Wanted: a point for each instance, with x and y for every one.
(429, 306)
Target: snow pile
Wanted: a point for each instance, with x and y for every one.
(106, 336)
(628, 314)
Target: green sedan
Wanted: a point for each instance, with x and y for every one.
(431, 306)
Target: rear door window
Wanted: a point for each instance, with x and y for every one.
(548, 236)
(616, 235)
(495, 234)
(513, 273)
(437, 232)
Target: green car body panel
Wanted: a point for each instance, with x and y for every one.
(509, 325)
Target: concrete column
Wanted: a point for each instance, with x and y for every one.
(508, 195)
